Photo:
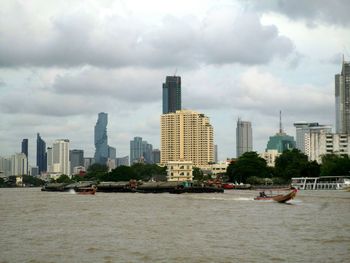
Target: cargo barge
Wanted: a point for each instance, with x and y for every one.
(137, 187)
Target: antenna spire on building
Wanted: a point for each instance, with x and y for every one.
(281, 130)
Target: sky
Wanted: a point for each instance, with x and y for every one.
(63, 62)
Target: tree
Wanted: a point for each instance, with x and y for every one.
(293, 163)
(32, 181)
(312, 169)
(247, 165)
(335, 165)
(148, 171)
(64, 179)
(2, 182)
(121, 173)
(96, 171)
(197, 174)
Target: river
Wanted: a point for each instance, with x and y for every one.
(40, 226)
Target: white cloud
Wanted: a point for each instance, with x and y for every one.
(75, 37)
(312, 12)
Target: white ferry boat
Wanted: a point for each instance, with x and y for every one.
(322, 183)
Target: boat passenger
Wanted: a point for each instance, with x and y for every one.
(262, 194)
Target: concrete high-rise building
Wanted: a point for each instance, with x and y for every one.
(58, 157)
(112, 152)
(244, 139)
(216, 153)
(342, 99)
(19, 164)
(171, 94)
(34, 171)
(140, 151)
(122, 161)
(101, 140)
(49, 159)
(303, 128)
(41, 158)
(88, 161)
(270, 157)
(186, 136)
(5, 166)
(156, 156)
(322, 143)
(76, 158)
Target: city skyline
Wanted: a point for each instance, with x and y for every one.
(290, 66)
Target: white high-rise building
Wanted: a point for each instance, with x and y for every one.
(244, 138)
(186, 136)
(303, 128)
(342, 99)
(19, 164)
(5, 167)
(58, 157)
(322, 143)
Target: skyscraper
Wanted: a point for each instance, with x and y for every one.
(186, 136)
(41, 154)
(216, 153)
(156, 156)
(58, 157)
(342, 99)
(140, 151)
(112, 153)
(25, 149)
(303, 128)
(171, 94)
(76, 158)
(244, 140)
(19, 164)
(101, 140)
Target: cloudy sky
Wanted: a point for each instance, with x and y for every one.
(63, 62)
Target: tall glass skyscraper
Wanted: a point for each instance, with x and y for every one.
(25, 149)
(342, 99)
(171, 94)
(41, 156)
(101, 140)
(140, 151)
(76, 158)
(244, 138)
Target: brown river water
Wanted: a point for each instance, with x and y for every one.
(40, 226)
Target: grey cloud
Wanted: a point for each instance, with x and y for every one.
(312, 11)
(129, 85)
(244, 39)
(46, 103)
(256, 91)
(73, 39)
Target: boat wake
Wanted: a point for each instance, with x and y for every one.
(225, 198)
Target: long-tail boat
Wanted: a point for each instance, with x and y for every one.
(281, 198)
